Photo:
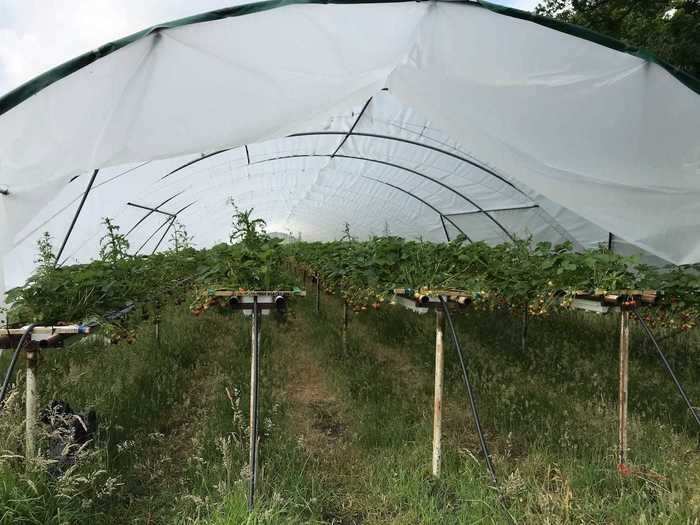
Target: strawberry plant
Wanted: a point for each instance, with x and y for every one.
(517, 275)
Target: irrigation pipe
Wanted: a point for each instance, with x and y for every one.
(667, 366)
(475, 411)
(13, 363)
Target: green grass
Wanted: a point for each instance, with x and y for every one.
(347, 432)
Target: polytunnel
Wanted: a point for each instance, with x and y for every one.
(425, 119)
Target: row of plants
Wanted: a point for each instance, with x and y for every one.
(251, 259)
(517, 275)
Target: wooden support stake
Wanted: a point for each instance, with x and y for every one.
(439, 381)
(318, 295)
(253, 426)
(345, 326)
(157, 322)
(624, 376)
(32, 404)
(523, 334)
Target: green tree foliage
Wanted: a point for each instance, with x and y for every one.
(668, 28)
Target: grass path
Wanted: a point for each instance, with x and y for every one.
(347, 434)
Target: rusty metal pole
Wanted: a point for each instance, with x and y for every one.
(253, 426)
(439, 382)
(32, 404)
(624, 377)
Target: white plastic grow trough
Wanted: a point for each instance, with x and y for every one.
(410, 304)
(266, 300)
(592, 306)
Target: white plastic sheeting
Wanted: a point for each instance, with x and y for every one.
(491, 126)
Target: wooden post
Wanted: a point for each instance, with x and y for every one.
(253, 426)
(624, 376)
(157, 322)
(345, 326)
(439, 380)
(32, 404)
(523, 334)
(318, 295)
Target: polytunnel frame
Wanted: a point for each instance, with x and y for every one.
(152, 210)
(37, 84)
(398, 166)
(476, 163)
(442, 215)
(19, 95)
(169, 222)
(364, 194)
(350, 133)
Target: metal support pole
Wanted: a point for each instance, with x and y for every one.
(345, 326)
(172, 221)
(32, 404)
(624, 377)
(318, 295)
(439, 382)
(253, 427)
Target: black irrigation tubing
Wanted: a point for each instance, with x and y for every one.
(475, 411)
(13, 363)
(667, 366)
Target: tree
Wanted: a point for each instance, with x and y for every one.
(670, 29)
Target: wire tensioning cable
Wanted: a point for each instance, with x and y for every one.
(667, 366)
(475, 411)
(13, 363)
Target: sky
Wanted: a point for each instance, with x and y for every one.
(36, 35)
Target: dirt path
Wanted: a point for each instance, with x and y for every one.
(317, 414)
